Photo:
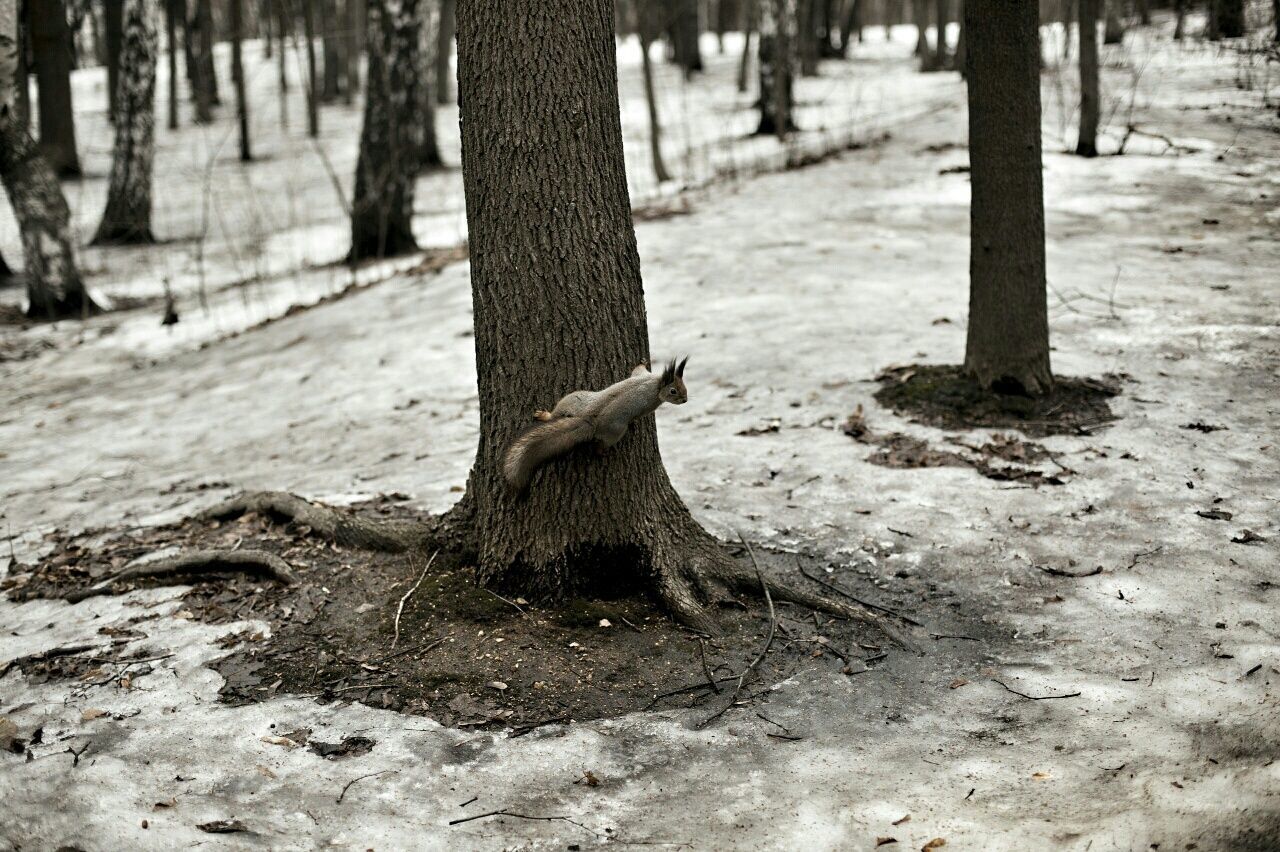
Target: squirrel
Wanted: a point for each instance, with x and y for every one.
(599, 416)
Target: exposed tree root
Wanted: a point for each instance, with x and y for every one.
(195, 562)
(691, 570)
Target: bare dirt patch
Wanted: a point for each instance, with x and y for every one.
(464, 656)
(944, 397)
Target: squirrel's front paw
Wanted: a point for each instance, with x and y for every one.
(541, 415)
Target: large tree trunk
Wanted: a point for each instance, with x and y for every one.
(51, 44)
(1113, 33)
(237, 79)
(1008, 337)
(313, 93)
(777, 66)
(1226, 19)
(54, 287)
(127, 218)
(382, 211)
(112, 26)
(1087, 144)
(645, 30)
(171, 39)
(1180, 10)
(559, 306)
(444, 50)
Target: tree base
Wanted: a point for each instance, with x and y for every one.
(123, 235)
(411, 630)
(77, 305)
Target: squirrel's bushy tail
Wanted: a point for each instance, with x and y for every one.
(541, 444)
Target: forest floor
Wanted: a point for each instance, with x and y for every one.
(1102, 658)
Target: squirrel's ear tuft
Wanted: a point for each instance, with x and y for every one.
(669, 372)
(680, 367)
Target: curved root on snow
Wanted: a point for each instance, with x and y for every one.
(195, 562)
(337, 526)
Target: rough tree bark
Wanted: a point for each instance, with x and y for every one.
(382, 209)
(1007, 347)
(112, 27)
(127, 218)
(646, 27)
(51, 45)
(237, 78)
(171, 39)
(776, 51)
(444, 50)
(1087, 144)
(54, 287)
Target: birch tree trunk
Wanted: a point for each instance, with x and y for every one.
(51, 45)
(777, 66)
(559, 305)
(1007, 347)
(54, 287)
(382, 210)
(1087, 143)
(127, 218)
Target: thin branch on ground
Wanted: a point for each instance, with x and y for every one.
(508, 601)
(361, 778)
(195, 562)
(906, 618)
(400, 609)
(1034, 697)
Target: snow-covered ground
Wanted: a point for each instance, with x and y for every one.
(790, 291)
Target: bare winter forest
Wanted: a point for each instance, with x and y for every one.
(337, 336)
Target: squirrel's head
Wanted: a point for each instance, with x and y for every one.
(673, 389)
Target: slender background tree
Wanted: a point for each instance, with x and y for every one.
(1087, 143)
(51, 45)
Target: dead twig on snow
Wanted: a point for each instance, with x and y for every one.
(1034, 697)
(859, 601)
(400, 608)
(361, 778)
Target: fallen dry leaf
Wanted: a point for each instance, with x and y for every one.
(589, 778)
(935, 843)
(280, 741)
(1040, 776)
(958, 682)
(885, 841)
(906, 818)
(222, 826)
(168, 803)
(92, 713)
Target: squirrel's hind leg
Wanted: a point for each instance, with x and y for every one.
(541, 414)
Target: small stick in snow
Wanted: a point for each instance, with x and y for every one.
(400, 608)
(361, 778)
(1034, 697)
(195, 562)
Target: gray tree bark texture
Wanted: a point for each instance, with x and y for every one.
(127, 218)
(51, 45)
(777, 58)
(559, 306)
(382, 209)
(1007, 346)
(1087, 143)
(54, 287)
